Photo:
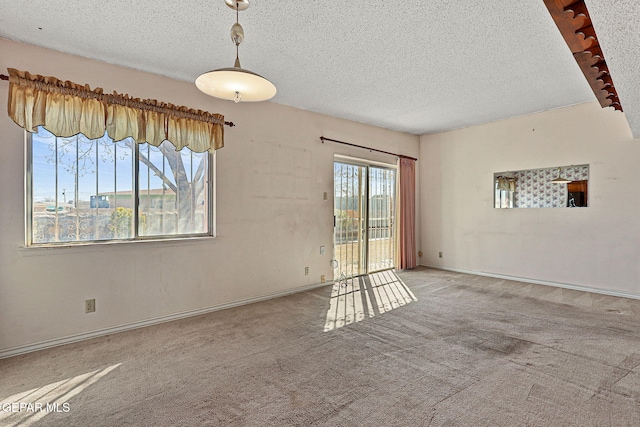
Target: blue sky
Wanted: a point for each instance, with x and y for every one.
(114, 167)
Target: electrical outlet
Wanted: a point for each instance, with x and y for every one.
(306, 271)
(439, 254)
(322, 280)
(89, 306)
(322, 250)
(325, 196)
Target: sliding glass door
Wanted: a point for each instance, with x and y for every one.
(381, 218)
(364, 218)
(350, 219)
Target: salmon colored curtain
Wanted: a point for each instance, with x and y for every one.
(66, 109)
(407, 213)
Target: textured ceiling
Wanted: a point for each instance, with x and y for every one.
(617, 24)
(414, 66)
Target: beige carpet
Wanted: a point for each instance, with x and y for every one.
(436, 348)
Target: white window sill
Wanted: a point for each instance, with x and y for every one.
(60, 249)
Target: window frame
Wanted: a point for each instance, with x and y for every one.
(29, 203)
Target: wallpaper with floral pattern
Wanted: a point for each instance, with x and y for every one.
(534, 189)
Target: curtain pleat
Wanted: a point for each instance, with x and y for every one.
(155, 128)
(67, 109)
(92, 118)
(407, 213)
(124, 122)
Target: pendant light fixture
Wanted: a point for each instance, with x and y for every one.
(560, 179)
(235, 83)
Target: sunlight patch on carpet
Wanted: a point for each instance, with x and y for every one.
(28, 407)
(355, 299)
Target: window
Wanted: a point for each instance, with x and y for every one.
(88, 190)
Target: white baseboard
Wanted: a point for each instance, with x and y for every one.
(541, 282)
(15, 351)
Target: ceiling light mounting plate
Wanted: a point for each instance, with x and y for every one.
(242, 4)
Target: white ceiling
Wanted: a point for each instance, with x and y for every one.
(617, 24)
(415, 66)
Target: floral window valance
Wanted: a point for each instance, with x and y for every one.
(67, 108)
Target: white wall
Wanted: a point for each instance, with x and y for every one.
(271, 219)
(596, 247)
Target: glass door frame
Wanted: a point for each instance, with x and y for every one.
(363, 232)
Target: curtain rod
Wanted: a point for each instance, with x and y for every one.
(323, 139)
(4, 77)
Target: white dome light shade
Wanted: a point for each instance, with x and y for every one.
(226, 83)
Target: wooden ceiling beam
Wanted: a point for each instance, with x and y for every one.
(573, 20)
